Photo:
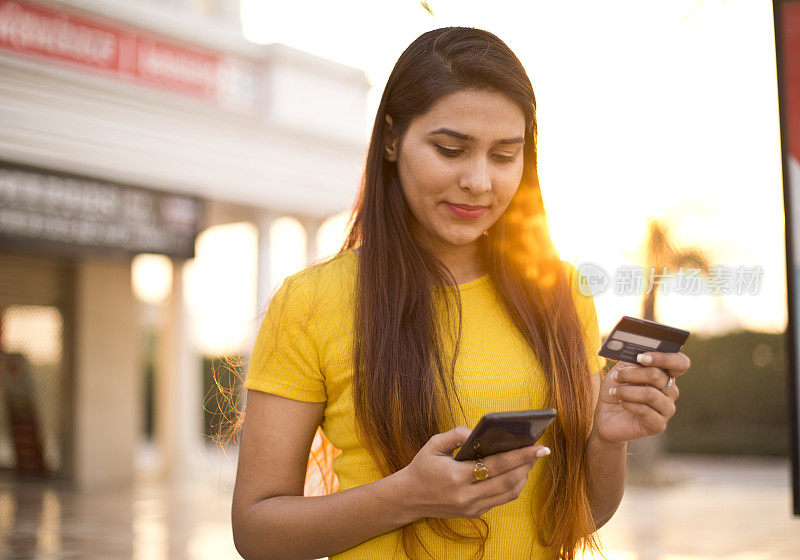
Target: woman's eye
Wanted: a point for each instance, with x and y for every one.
(449, 152)
(505, 158)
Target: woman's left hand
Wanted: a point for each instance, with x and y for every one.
(632, 403)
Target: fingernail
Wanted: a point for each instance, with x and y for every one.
(644, 359)
(613, 391)
(543, 452)
(614, 375)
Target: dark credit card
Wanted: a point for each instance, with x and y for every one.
(632, 336)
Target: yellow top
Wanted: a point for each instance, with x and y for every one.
(303, 352)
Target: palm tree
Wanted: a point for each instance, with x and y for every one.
(662, 257)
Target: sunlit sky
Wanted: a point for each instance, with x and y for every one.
(660, 109)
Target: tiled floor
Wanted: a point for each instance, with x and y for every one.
(727, 508)
(732, 508)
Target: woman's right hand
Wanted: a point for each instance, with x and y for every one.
(436, 485)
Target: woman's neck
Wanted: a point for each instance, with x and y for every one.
(463, 270)
(463, 263)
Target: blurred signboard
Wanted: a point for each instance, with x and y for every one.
(62, 213)
(119, 51)
(787, 43)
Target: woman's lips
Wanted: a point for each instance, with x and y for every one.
(466, 211)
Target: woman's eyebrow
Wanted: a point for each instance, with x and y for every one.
(468, 138)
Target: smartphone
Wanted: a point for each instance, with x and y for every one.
(497, 432)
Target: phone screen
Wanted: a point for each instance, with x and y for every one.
(498, 432)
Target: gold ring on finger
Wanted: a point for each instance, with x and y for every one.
(480, 472)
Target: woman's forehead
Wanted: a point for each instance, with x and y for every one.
(476, 114)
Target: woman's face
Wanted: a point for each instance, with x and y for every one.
(465, 151)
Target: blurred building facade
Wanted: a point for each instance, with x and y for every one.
(127, 128)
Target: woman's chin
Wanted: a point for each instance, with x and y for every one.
(464, 240)
(455, 239)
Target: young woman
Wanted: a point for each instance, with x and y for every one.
(447, 301)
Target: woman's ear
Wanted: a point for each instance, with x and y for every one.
(389, 141)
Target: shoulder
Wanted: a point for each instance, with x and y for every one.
(577, 282)
(320, 286)
(581, 291)
(571, 273)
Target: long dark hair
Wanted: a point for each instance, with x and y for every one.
(399, 369)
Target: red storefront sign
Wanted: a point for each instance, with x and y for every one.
(791, 73)
(127, 53)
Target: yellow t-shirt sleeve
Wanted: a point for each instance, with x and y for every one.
(285, 359)
(588, 316)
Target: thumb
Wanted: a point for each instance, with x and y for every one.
(447, 442)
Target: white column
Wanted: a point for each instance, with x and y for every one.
(107, 378)
(264, 221)
(178, 388)
(312, 226)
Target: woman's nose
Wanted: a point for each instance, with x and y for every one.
(476, 178)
